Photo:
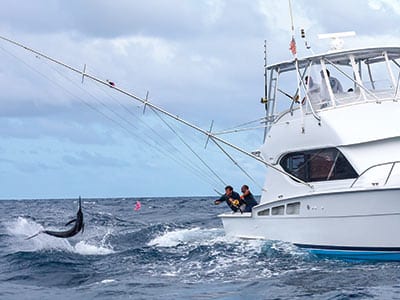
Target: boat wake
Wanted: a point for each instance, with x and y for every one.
(188, 236)
(211, 254)
(21, 228)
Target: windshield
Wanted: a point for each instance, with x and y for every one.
(321, 83)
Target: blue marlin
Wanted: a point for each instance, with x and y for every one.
(78, 226)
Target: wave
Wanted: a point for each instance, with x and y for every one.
(210, 249)
(22, 228)
(216, 236)
(184, 236)
(85, 248)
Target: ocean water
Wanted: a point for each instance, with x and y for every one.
(172, 248)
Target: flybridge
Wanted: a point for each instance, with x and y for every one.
(333, 79)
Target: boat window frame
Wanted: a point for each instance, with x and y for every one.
(337, 165)
(264, 212)
(293, 208)
(278, 210)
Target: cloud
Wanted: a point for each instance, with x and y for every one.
(93, 159)
(56, 129)
(27, 166)
(357, 15)
(385, 5)
(105, 19)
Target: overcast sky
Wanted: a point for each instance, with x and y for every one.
(201, 60)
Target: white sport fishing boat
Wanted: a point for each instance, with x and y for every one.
(338, 150)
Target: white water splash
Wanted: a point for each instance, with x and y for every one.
(187, 236)
(23, 228)
(84, 248)
(205, 237)
(105, 281)
(226, 254)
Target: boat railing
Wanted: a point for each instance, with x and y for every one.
(379, 174)
(354, 97)
(341, 99)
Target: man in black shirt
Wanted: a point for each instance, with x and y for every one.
(231, 198)
(248, 198)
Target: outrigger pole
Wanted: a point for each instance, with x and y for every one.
(145, 101)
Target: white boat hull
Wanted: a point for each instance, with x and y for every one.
(341, 223)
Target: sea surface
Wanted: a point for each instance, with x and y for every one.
(172, 248)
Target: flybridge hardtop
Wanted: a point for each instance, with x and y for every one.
(367, 55)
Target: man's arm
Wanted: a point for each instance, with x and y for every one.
(220, 200)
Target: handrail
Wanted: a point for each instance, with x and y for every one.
(277, 117)
(393, 163)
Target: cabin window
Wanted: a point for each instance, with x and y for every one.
(293, 208)
(264, 212)
(278, 210)
(318, 165)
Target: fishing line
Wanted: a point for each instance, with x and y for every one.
(189, 147)
(237, 164)
(239, 130)
(244, 124)
(65, 90)
(166, 141)
(156, 144)
(194, 165)
(194, 171)
(192, 150)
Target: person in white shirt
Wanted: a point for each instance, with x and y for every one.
(334, 82)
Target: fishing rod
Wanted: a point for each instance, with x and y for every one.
(146, 102)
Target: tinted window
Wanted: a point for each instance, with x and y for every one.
(318, 165)
(293, 208)
(278, 210)
(264, 212)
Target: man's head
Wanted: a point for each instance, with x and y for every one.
(228, 190)
(244, 188)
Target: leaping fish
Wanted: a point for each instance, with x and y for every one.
(78, 226)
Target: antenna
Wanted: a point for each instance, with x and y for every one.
(303, 36)
(306, 44)
(336, 41)
(264, 99)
